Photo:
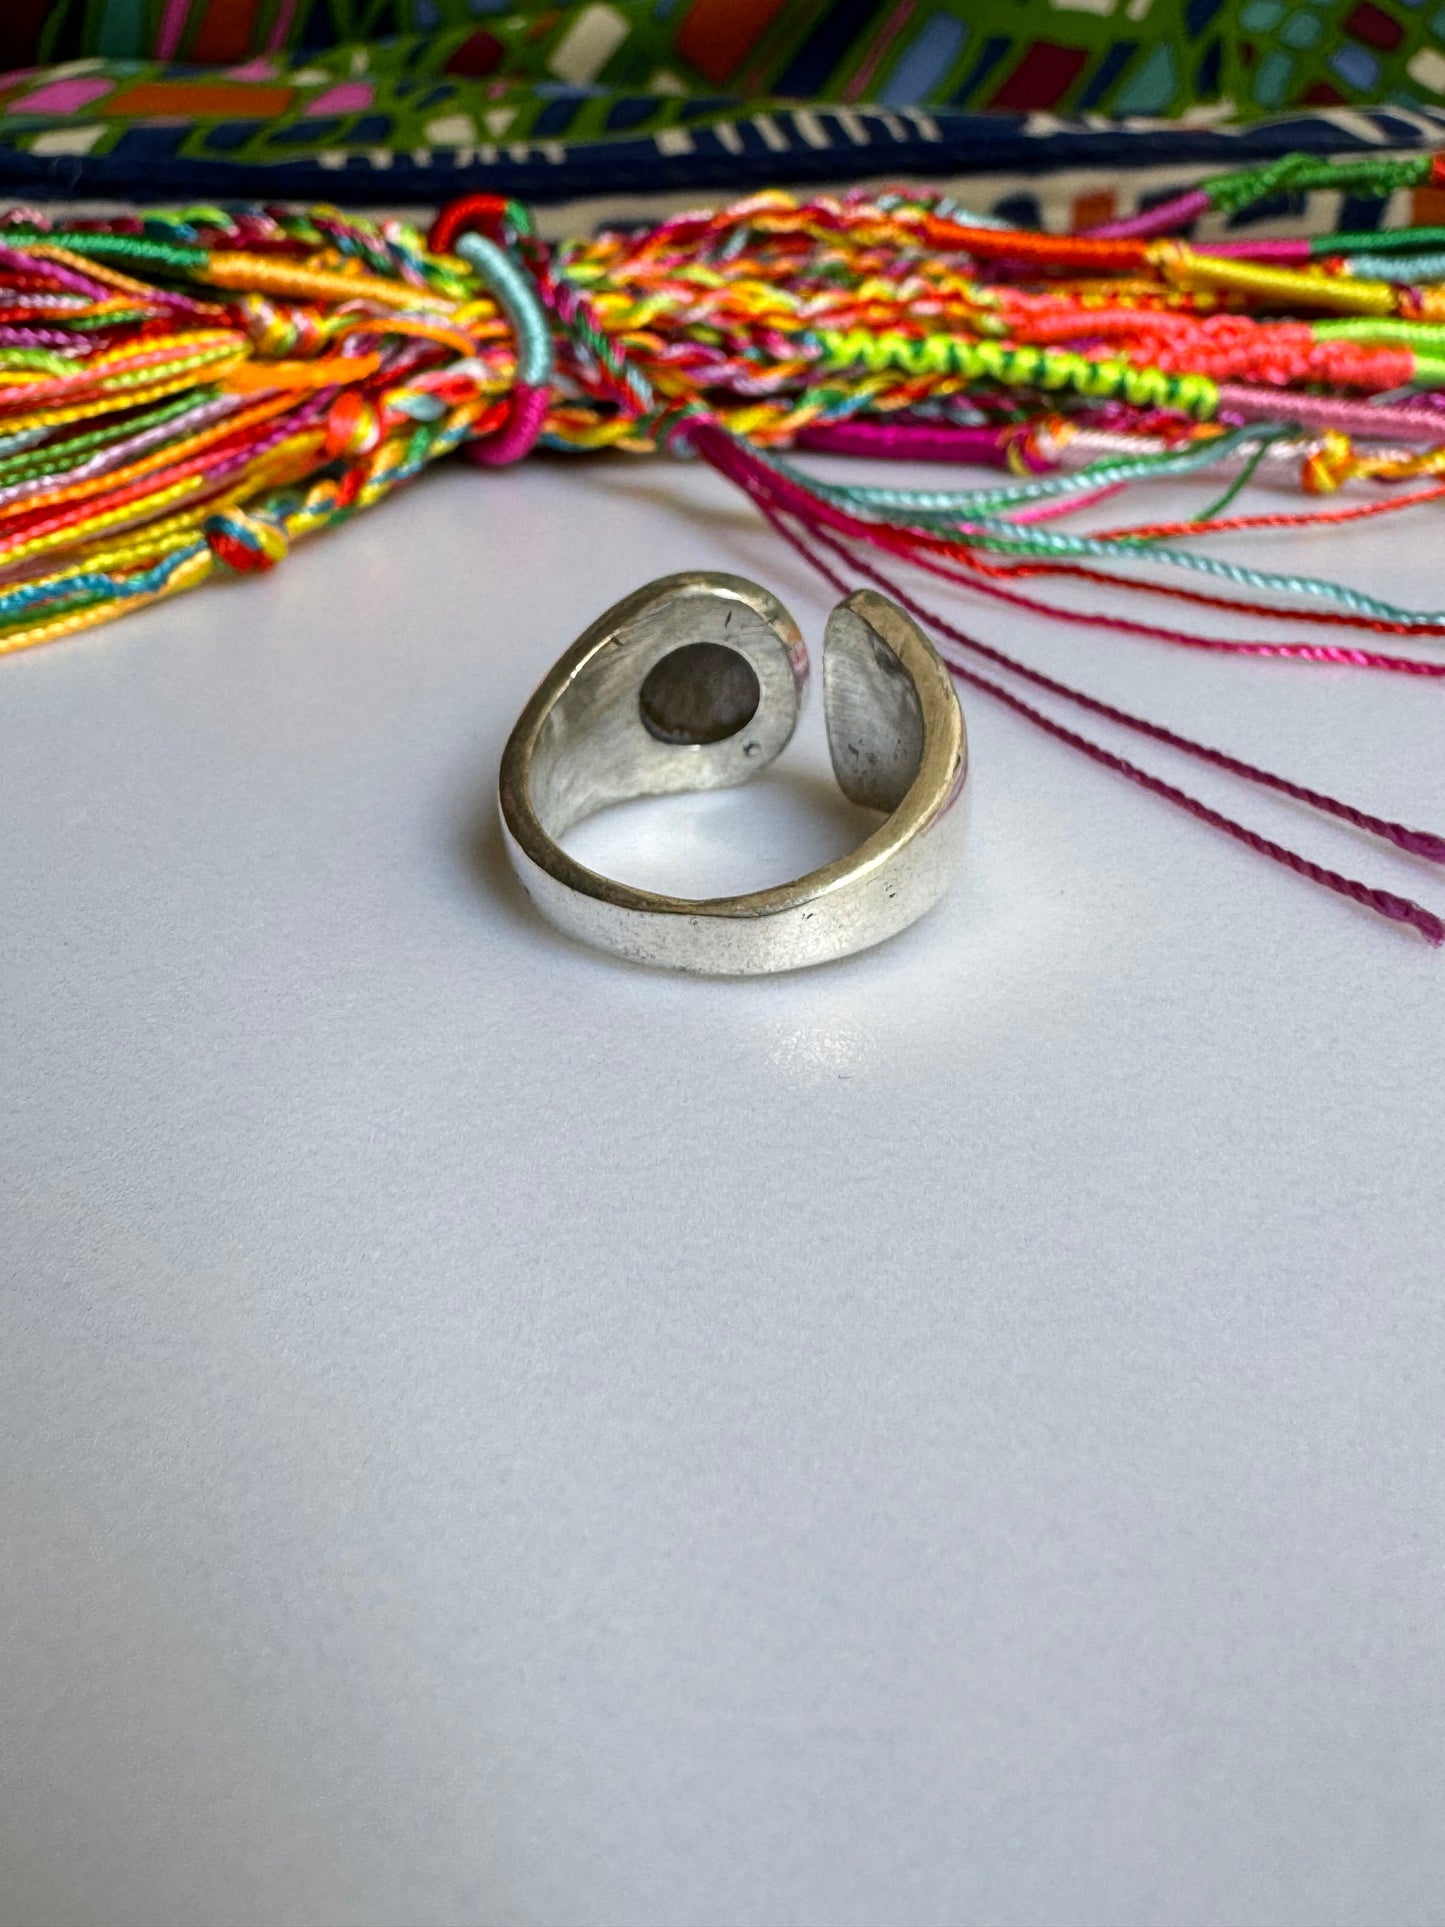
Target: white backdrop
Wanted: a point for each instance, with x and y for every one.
(491, 1435)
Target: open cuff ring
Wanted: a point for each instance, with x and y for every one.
(695, 682)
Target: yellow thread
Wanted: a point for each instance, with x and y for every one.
(186, 576)
(287, 456)
(265, 276)
(1277, 287)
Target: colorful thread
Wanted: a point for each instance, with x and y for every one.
(194, 391)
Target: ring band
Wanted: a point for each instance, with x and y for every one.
(695, 682)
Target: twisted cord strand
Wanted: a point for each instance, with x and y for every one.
(1384, 903)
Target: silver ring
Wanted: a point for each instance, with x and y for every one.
(695, 682)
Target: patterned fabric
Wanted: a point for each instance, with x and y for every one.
(1117, 57)
(414, 100)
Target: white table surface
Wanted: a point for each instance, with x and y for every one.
(493, 1436)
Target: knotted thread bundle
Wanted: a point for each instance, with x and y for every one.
(187, 393)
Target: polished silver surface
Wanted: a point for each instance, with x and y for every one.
(695, 682)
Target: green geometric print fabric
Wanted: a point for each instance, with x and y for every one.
(1117, 58)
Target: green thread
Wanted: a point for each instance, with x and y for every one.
(1302, 173)
(1385, 328)
(135, 247)
(1022, 367)
(943, 507)
(56, 457)
(45, 360)
(1241, 481)
(1387, 240)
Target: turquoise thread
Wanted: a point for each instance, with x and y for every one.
(517, 298)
